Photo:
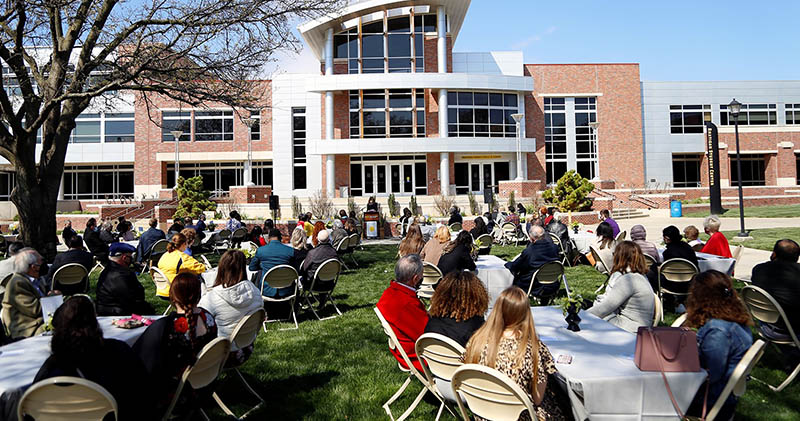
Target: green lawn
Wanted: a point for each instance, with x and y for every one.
(341, 369)
(774, 211)
(764, 239)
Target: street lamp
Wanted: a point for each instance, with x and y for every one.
(595, 125)
(734, 108)
(176, 134)
(250, 122)
(517, 119)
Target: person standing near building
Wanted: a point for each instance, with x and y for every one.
(605, 216)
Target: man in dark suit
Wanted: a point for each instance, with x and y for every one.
(97, 246)
(780, 277)
(75, 254)
(273, 254)
(147, 240)
(316, 257)
(68, 233)
(540, 251)
(119, 292)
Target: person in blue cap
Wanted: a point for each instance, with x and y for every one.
(119, 292)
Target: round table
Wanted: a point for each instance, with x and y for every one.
(582, 240)
(494, 275)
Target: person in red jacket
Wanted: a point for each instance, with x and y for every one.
(402, 309)
(717, 244)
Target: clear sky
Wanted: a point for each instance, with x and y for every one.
(672, 40)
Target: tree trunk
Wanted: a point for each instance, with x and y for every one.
(37, 216)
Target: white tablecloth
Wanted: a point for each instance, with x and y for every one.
(602, 381)
(20, 361)
(707, 261)
(494, 275)
(582, 240)
(134, 243)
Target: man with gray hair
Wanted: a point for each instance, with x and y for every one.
(7, 265)
(315, 258)
(540, 251)
(22, 310)
(338, 234)
(400, 307)
(560, 230)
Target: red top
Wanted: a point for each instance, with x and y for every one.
(718, 245)
(407, 317)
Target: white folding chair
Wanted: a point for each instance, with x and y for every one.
(431, 275)
(161, 281)
(341, 249)
(621, 236)
(679, 321)
(281, 276)
(561, 250)
(601, 265)
(737, 254)
(510, 233)
(244, 335)
(205, 262)
(658, 313)
(455, 227)
(765, 309)
(70, 274)
(679, 271)
(442, 356)
(249, 245)
(205, 370)
(489, 394)
(484, 244)
(547, 274)
(223, 240)
(66, 398)
(327, 272)
(157, 249)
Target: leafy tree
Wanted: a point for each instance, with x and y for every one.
(414, 207)
(570, 192)
(512, 203)
(393, 206)
(192, 198)
(90, 51)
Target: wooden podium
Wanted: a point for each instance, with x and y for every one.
(372, 228)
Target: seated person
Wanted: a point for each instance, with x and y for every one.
(191, 236)
(96, 245)
(231, 299)
(107, 234)
(7, 265)
(147, 239)
(350, 226)
(119, 292)
(315, 258)
(201, 226)
(628, 301)
(403, 310)
(176, 261)
(273, 254)
(78, 349)
(298, 242)
(458, 254)
(717, 243)
(780, 277)
(458, 306)
(676, 249)
(508, 343)
(639, 236)
(605, 216)
(338, 233)
(22, 310)
(413, 242)
(177, 226)
(234, 221)
(538, 252)
(479, 229)
(691, 233)
(723, 336)
(434, 247)
(68, 233)
(455, 216)
(404, 221)
(125, 230)
(169, 345)
(256, 236)
(75, 254)
(512, 217)
(560, 230)
(196, 227)
(604, 243)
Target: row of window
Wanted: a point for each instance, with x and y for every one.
(690, 118)
(219, 177)
(570, 140)
(481, 114)
(686, 170)
(387, 113)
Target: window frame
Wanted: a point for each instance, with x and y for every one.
(682, 110)
(745, 115)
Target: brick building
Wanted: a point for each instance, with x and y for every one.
(394, 109)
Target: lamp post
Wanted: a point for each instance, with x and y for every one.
(734, 108)
(518, 119)
(595, 125)
(176, 134)
(250, 122)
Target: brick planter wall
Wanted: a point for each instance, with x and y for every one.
(250, 194)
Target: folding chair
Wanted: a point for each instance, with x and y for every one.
(205, 262)
(658, 314)
(244, 335)
(766, 310)
(205, 370)
(649, 260)
(601, 265)
(70, 274)
(223, 240)
(341, 250)
(156, 250)
(548, 274)
(737, 254)
(328, 271)
(238, 236)
(510, 234)
(561, 251)
(97, 264)
(489, 394)
(737, 382)
(431, 275)
(455, 227)
(162, 283)
(484, 244)
(411, 371)
(442, 356)
(249, 245)
(66, 398)
(679, 321)
(678, 271)
(621, 236)
(281, 276)
(354, 241)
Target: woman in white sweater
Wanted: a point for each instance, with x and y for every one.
(231, 299)
(628, 301)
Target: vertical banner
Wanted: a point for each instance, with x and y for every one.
(712, 155)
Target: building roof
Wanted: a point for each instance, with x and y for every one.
(313, 32)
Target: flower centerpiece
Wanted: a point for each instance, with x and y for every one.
(570, 306)
(576, 226)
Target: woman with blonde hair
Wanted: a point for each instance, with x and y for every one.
(298, 243)
(176, 261)
(413, 243)
(434, 247)
(458, 306)
(628, 301)
(508, 343)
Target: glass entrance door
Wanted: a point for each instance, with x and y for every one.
(384, 178)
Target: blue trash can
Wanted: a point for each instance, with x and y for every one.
(675, 209)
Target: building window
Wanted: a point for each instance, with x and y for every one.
(396, 112)
(481, 114)
(750, 115)
(119, 128)
(381, 174)
(792, 113)
(217, 177)
(255, 131)
(397, 47)
(262, 173)
(176, 120)
(87, 129)
(213, 125)
(8, 180)
(685, 119)
(299, 148)
(98, 181)
(585, 137)
(686, 170)
(555, 138)
(752, 170)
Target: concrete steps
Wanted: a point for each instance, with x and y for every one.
(625, 213)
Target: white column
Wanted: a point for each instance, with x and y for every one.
(330, 179)
(442, 40)
(444, 172)
(441, 44)
(247, 174)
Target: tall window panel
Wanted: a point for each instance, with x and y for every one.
(262, 173)
(176, 120)
(555, 138)
(481, 114)
(299, 161)
(87, 128)
(119, 127)
(397, 113)
(8, 180)
(213, 125)
(686, 170)
(98, 181)
(585, 137)
(792, 113)
(750, 115)
(684, 119)
(255, 131)
(752, 170)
